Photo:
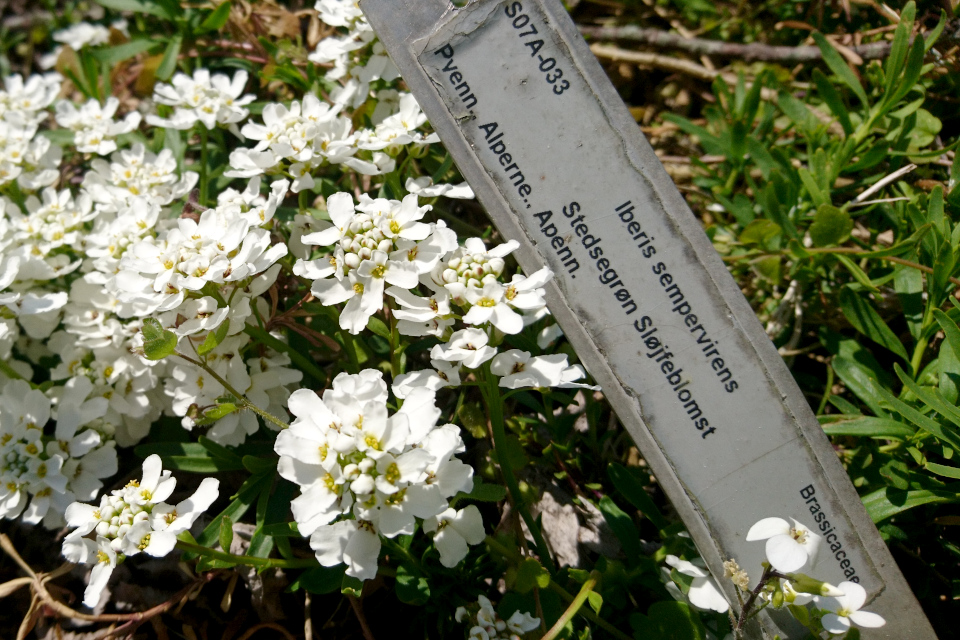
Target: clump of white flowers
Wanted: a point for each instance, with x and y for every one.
(94, 129)
(485, 624)
(130, 520)
(208, 99)
(365, 473)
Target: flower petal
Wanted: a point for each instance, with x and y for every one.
(767, 528)
(867, 619)
(785, 553)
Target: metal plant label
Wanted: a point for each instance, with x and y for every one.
(554, 156)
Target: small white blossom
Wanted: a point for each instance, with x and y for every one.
(788, 548)
(845, 610)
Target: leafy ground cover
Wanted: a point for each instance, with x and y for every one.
(270, 282)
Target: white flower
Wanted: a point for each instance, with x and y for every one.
(467, 346)
(106, 558)
(93, 126)
(845, 610)
(425, 188)
(83, 34)
(489, 305)
(704, 592)
(351, 542)
(453, 530)
(518, 369)
(788, 548)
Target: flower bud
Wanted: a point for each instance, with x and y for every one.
(803, 583)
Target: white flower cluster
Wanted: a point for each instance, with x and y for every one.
(382, 247)
(703, 593)
(94, 130)
(789, 548)
(487, 625)
(309, 134)
(26, 157)
(79, 36)
(210, 100)
(130, 520)
(364, 473)
(51, 472)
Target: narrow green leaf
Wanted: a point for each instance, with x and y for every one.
(833, 100)
(244, 499)
(282, 530)
(377, 326)
(857, 273)
(944, 470)
(217, 450)
(870, 427)
(169, 63)
(887, 502)
(121, 52)
(226, 533)
(138, 6)
(934, 34)
(867, 321)
(936, 401)
(217, 18)
(622, 526)
(862, 382)
(631, 488)
(840, 68)
(816, 194)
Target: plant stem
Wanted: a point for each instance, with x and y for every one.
(573, 608)
(590, 615)
(244, 402)
(350, 346)
(744, 612)
(204, 135)
(9, 371)
(302, 202)
(269, 563)
(491, 396)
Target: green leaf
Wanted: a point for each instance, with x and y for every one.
(157, 342)
(867, 321)
(858, 274)
(870, 427)
(217, 18)
(226, 533)
(212, 414)
(816, 194)
(412, 588)
(282, 530)
(862, 382)
(531, 574)
(944, 470)
(254, 464)
(169, 63)
(833, 100)
(595, 600)
(936, 401)
(887, 502)
(214, 338)
(138, 6)
(322, 580)
(351, 586)
(622, 525)
(666, 620)
(244, 499)
(831, 226)
(377, 326)
(484, 492)
(762, 233)
(934, 34)
(121, 52)
(631, 488)
(840, 68)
